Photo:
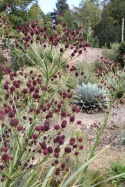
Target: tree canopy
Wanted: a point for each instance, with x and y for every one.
(108, 29)
(20, 11)
(61, 7)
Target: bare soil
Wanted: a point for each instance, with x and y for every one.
(89, 56)
(112, 135)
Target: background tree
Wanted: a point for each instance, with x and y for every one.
(87, 15)
(36, 13)
(61, 8)
(109, 28)
(69, 19)
(17, 10)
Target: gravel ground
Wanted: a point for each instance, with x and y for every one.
(91, 55)
(112, 135)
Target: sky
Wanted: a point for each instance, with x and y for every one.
(49, 5)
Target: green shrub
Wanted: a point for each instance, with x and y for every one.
(2, 62)
(121, 140)
(111, 53)
(121, 53)
(90, 97)
(94, 41)
(86, 73)
(3, 59)
(115, 82)
(118, 168)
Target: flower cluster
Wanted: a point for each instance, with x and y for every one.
(106, 66)
(30, 33)
(31, 130)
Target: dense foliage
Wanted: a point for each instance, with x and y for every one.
(108, 29)
(18, 11)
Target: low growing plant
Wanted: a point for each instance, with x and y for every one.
(115, 83)
(121, 54)
(98, 67)
(2, 63)
(116, 169)
(89, 97)
(111, 53)
(121, 140)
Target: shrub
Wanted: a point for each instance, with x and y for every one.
(117, 168)
(121, 140)
(3, 60)
(90, 97)
(115, 83)
(111, 53)
(121, 54)
(85, 72)
(5, 28)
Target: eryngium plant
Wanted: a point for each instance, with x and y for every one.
(90, 97)
(33, 134)
(48, 48)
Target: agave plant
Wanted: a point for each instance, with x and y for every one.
(90, 97)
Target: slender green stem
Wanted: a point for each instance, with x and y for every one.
(43, 95)
(8, 183)
(41, 101)
(99, 134)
